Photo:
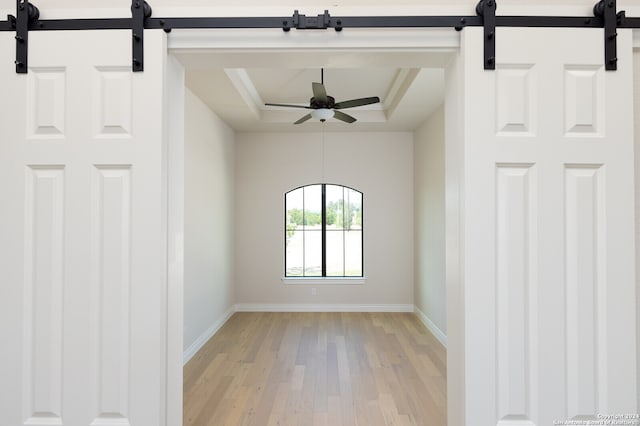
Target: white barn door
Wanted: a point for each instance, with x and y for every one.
(548, 229)
(83, 255)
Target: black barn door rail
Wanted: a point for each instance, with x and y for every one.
(605, 16)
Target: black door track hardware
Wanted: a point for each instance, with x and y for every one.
(605, 16)
(606, 10)
(26, 14)
(140, 10)
(487, 9)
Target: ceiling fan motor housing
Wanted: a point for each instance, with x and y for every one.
(315, 104)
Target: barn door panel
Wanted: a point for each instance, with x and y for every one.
(83, 255)
(549, 242)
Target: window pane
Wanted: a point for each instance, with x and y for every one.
(294, 241)
(335, 207)
(353, 253)
(294, 205)
(353, 209)
(313, 207)
(312, 253)
(295, 253)
(335, 253)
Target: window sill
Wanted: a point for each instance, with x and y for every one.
(324, 280)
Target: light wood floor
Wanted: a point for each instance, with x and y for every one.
(318, 369)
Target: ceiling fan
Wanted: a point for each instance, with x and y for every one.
(323, 106)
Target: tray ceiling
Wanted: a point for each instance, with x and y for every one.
(408, 95)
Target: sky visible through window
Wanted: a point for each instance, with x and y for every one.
(339, 253)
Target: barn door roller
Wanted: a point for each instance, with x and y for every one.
(26, 14)
(606, 9)
(140, 11)
(487, 9)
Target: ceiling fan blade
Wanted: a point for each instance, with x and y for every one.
(288, 106)
(344, 117)
(319, 92)
(357, 102)
(303, 119)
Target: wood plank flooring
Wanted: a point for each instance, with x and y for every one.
(318, 369)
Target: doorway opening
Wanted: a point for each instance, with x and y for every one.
(241, 157)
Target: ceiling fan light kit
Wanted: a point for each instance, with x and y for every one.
(322, 114)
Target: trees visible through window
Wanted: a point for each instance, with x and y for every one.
(323, 232)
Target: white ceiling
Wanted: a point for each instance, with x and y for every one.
(308, 4)
(55, 9)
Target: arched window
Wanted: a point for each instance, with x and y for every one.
(323, 231)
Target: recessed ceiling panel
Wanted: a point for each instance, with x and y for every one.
(277, 85)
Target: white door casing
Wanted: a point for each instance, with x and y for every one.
(83, 300)
(546, 256)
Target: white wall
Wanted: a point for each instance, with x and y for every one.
(378, 164)
(52, 9)
(209, 222)
(429, 190)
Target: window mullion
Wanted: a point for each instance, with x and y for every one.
(344, 231)
(324, 230)
(304, 232)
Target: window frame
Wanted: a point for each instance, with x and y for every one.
(324, 278)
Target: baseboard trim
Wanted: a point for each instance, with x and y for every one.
(442, 338)
(321, 307)
(208, 334)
